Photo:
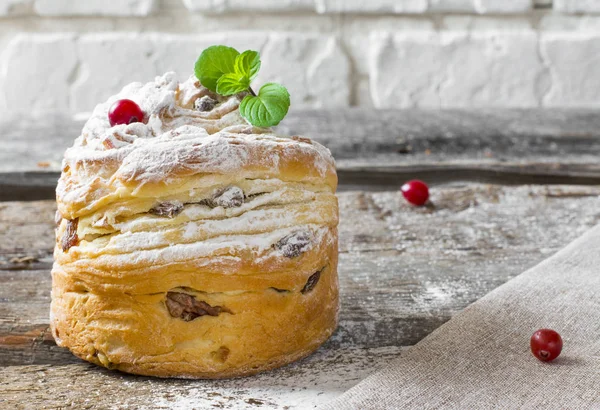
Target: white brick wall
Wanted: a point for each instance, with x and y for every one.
(14, 7)
(574, 64)
(223, 6)
(577, 6)
(68, 55)
(33, 78)
(77, 7)
(454, 69)
(362, 6)
(94, 7)
(73, 73)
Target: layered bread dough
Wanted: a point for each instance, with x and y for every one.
(193, 244)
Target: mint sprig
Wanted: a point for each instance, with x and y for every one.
(248, 63)
(213, 63)
(232, 83)
(225, 71)
(268, 107)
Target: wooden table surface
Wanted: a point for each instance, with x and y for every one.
(509, 188)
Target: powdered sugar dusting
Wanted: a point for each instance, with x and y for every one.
(259, 245)
(175, 139)
(155, 160)
(190, 229)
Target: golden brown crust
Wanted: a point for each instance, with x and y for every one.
(214, 273)
(135, 333)
(193, 245)
(150, 169)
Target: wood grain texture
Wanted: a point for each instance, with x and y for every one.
(34, 144)
(374, 149)
(305, 384)
(404, 271)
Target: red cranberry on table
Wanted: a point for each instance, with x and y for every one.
(546, 344)
(416, 192)
(124, 112)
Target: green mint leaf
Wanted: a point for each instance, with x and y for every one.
(248, 63)
(268, 108)
(213, 63)
(232, 83)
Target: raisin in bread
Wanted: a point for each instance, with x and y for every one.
(193, 244)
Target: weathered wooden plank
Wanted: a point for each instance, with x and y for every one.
(26, 229)
(511, 133)
(358, 175)
(403, 270)
(33, 144)
(305, 384)
(28, 186)
(378, 174)
(527, 146)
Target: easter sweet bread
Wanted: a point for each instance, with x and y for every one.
(192, 244)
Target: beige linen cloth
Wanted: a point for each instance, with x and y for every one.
(481, 359)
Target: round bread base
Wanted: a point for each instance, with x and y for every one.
(160, 371)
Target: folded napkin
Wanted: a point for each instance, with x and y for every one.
(481, 359)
